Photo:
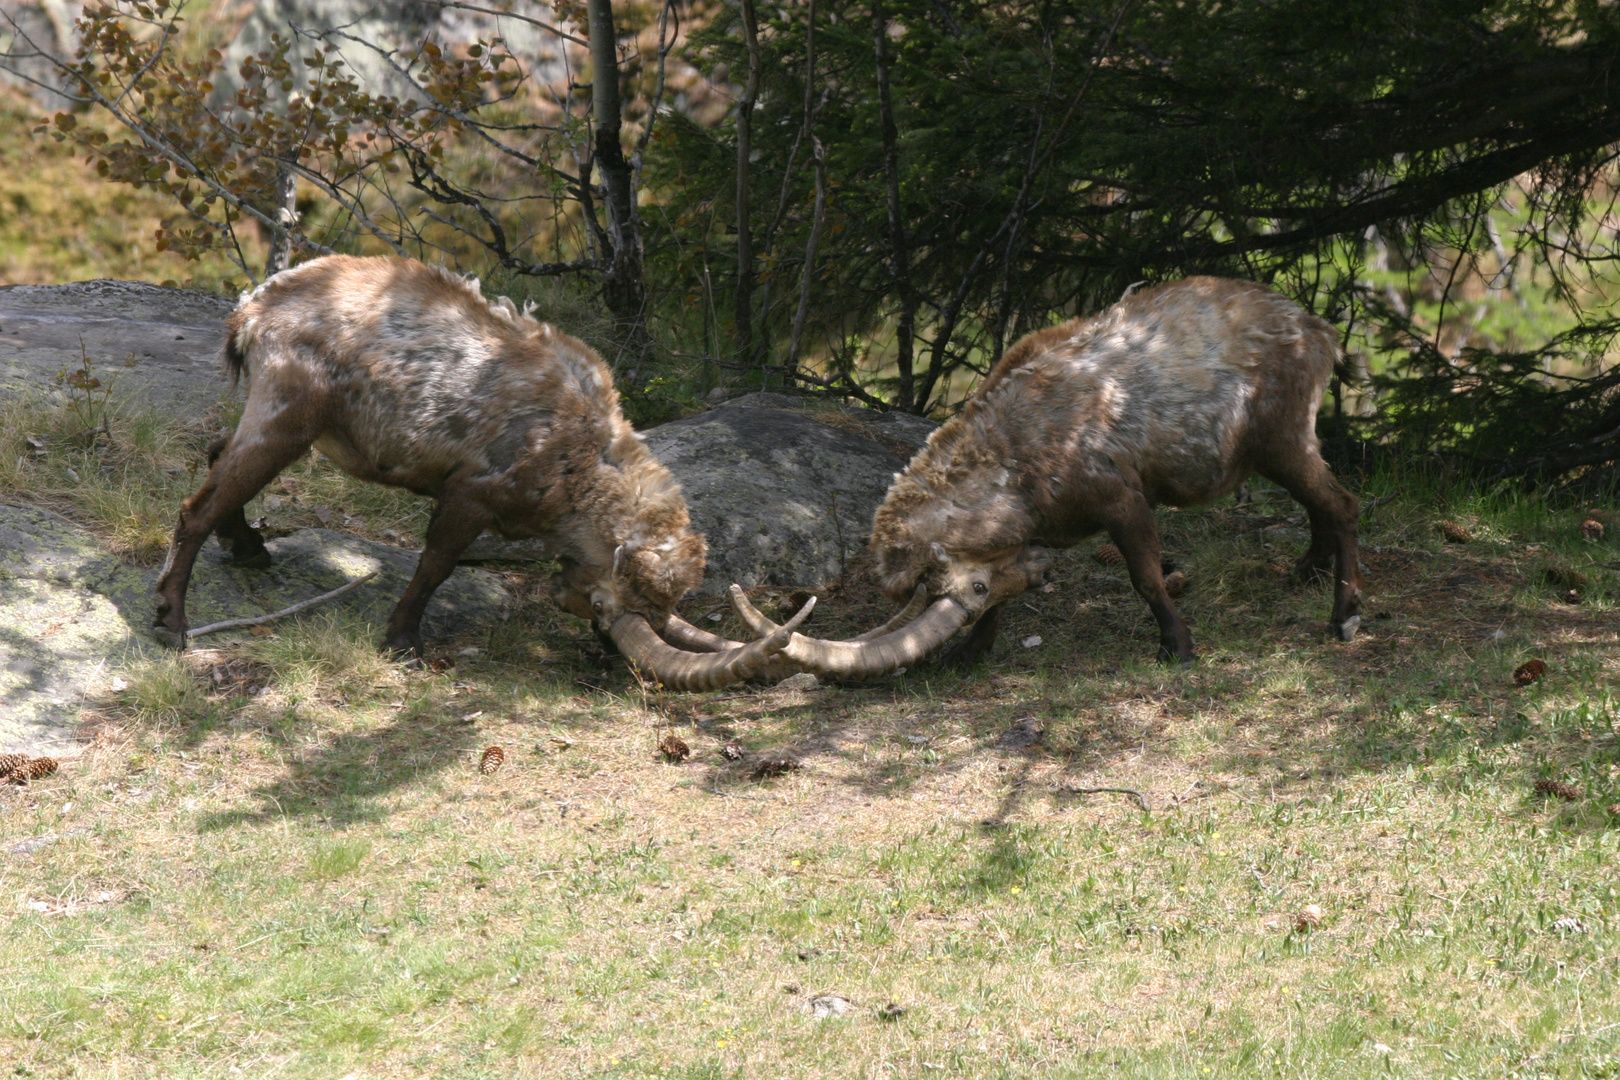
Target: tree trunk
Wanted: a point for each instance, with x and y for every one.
(899, 260)
(745, 139)
(285, 213)
(623, 289)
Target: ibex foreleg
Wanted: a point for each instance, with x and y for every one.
(250, 459)
(457, 521)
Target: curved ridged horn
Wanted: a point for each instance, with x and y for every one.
(680, 670)
(864, 657)
(683, 635)
(914, 607)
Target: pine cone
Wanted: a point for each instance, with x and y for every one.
(32, 770)
(1568, 792)
(731, 752)
(492, 760)
(1564, 577)
(1592, 529)
(775, 766)
(1175, 584)
(1453, 532)
(9, 763)
(674, 749)
(1108, 555)
(1528, 672)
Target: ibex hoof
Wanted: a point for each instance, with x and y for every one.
(1347, 629)
(403, 647)
(251, 560)
(168, 635)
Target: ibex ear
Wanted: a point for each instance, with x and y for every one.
(940, 555)
(618, 559)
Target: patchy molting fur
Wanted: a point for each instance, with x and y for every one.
(405, 374)
(1177, 393)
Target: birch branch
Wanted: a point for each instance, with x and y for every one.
(302, 605)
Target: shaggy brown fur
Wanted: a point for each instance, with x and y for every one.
(1174, 395)
(407, 375)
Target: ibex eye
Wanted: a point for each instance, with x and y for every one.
(980, 587)
(597, 607)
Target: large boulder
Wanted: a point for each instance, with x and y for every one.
(377, 40)
(784, 488)
(162, 342)
(70, 614)
(34, 35)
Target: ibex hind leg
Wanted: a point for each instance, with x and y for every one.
(1333, 512)
(1130, 524)
(239, 469)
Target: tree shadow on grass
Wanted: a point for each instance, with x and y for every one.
(345, 780)
(1274, 703)
(1091, 693)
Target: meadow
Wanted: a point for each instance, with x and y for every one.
(278, 856)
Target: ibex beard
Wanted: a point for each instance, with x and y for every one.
(1171, 397)
(406, 375)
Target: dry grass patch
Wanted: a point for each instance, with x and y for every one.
(114, 465)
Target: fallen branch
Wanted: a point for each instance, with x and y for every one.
(302, 605)
(737, 795)
(1137, 795)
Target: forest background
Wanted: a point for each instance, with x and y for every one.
(872, 200)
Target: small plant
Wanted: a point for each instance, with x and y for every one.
(88, 397)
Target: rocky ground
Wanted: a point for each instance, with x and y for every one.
(783, 489)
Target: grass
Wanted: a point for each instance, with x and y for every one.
(112, 464)
(59, 221)
(278, 856)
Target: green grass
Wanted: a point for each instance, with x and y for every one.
(278, 857)
(120, 469)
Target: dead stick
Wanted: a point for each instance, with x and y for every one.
(736, 795)
(260, 620)
(1137, 795)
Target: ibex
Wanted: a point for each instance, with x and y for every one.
(1174, 395)
(404, 374)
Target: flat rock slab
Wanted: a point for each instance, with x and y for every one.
(70, 614)
(172, 335)
(783, 488)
